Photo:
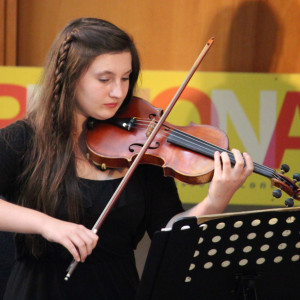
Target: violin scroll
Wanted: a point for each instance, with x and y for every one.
(287, 185)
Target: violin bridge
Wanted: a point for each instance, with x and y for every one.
(150, 128)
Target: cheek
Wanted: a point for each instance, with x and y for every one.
(126, 88)
(87, 95)
(82, 99)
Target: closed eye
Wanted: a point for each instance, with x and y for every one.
(103, 80)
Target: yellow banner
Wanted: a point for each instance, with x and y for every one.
(260, 113)
(16, 86)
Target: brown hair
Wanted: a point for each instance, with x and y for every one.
(51, 171)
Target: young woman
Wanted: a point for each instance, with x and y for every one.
(54, 194)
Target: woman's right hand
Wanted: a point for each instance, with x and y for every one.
(79, 240)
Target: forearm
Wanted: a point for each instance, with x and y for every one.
(79, 240)
(19, 219)
(205, 207)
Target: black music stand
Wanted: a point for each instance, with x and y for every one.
(249, 255)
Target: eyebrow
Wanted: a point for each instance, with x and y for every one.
(110, 73)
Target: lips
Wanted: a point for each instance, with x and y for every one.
(111, 105)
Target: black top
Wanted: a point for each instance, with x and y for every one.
(146, 204)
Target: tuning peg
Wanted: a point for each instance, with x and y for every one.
(296, 177)
(289, 202)
(277, 193)
(284, 168)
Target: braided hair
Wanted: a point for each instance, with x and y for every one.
(50, 176)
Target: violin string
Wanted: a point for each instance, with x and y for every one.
(207, 147)
(212, 148)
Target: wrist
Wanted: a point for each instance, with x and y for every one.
(43, 224)
(215, 205)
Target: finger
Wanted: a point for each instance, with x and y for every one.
(217, 163)
(89, 238)
(238, 156)
(81, 247)
(85, 240)
(72, 249)
(94, 239)
(239, 161)
(249, 163)
(226, 164)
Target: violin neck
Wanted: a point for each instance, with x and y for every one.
(187, 141)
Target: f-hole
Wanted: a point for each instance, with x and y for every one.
(131, 147)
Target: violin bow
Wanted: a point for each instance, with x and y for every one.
(149, 140)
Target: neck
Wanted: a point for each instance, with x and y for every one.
(197, 145)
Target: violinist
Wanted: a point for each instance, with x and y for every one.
(54, 194)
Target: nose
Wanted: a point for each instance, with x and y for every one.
(117, 90)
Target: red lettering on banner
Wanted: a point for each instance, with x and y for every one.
(19, 93)
(281, 140)
(200, 100)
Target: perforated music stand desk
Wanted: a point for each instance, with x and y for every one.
(248, 255)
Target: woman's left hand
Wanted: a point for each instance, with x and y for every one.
(227, 178)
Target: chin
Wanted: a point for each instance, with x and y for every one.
(103, 117)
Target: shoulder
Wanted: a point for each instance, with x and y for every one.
(14, 144)
(20, 126)
(16, 135)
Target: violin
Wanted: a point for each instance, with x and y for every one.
(184, 152)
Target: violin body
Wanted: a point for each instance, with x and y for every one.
(116, 146)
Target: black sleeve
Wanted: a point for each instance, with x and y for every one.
(163, 200)
(13, 144)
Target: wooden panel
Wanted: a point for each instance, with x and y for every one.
(11, 33)
(250, 36)
(2, 31)
(8, 32)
